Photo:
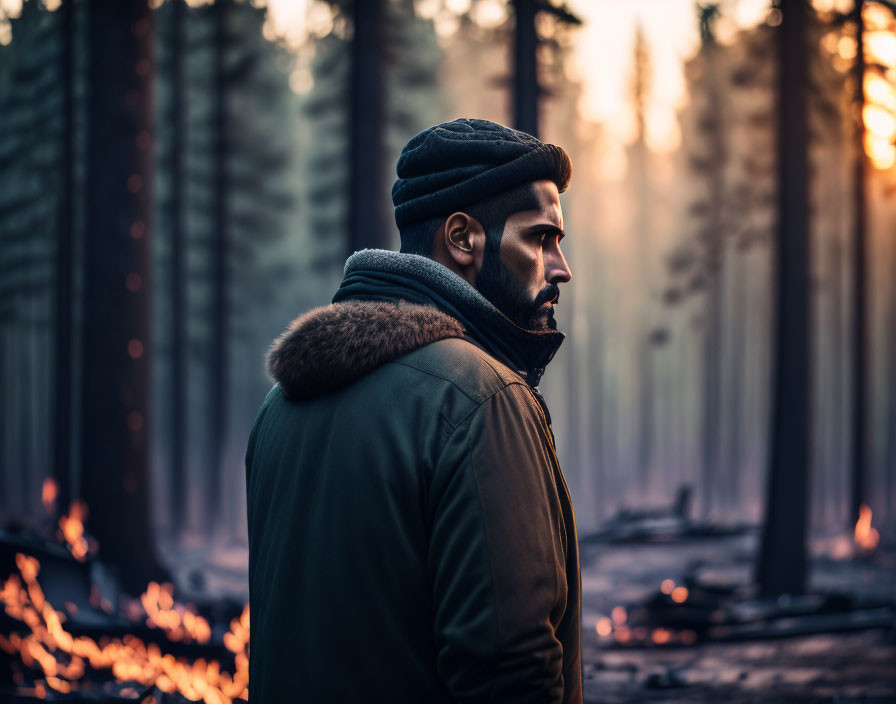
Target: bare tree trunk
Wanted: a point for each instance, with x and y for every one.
(858, 489)
(890, 478)
(178, 391)
(366, 219)
(782, 567)
(25, 406)
(838, 354)
(62, 348)
(118, 291)
(219, 396)
(713, 324)
(645, 351)
(736, 375)
(6, 480)
(525, 68)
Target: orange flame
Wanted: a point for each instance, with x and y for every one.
(48, 493)
(62, 658)
(866, 535)
(71, 529)
(661, 636)
(180, 623)
(619, 615)
(679, 595)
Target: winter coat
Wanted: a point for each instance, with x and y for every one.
(411, 534)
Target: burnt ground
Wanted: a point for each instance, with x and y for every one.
(835, 667)
(845, 666)
(713, 643)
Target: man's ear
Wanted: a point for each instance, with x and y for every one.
(464, 240)
(459, 244)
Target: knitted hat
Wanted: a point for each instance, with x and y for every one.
(462, 162)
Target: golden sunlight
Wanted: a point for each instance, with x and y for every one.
(879, 121)
(881, 151)
(880, 91)
(881, 47)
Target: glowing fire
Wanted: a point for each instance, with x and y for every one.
(179, 622)
(866, 535)
(63, 658)
(679, 595)
(48, 493)
(622, 625)
(71, 529)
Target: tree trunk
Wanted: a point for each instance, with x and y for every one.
(735, 464)
(782, 566)
(838, 383)
(890, 449)
(117, 289)
(713, 325)
(62, 348)
(178, 389)
(219, 396)
(525, 68)
(858, 489)
(366, 208)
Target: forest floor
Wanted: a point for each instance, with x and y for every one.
(854, 666)
(841, 667)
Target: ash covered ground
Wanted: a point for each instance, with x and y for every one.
(837, 659)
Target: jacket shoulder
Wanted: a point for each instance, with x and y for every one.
(461, 363)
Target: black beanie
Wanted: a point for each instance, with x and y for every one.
(465, 161)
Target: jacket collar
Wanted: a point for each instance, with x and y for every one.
(381, 275)
(331, 346)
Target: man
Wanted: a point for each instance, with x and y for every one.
(411, 535)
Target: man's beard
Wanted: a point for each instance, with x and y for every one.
(511, 298)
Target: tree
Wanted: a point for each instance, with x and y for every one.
(178, 386)
(117, 289)
(31, 130)
(351, 129)
(65, 232)
(640, 174)
(222, 205)
(782, 566)
(859, 337)
(220, 350)
(526, 92)
(365, 123)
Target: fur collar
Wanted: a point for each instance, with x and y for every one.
(331, 346)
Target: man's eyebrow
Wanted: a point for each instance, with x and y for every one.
(546, 227)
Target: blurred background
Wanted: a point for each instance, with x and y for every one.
(180, 179)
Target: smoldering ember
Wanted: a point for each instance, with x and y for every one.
(697, 199)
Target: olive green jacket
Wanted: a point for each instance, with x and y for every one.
(411, 535)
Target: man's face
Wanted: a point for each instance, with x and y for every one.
(521, 281)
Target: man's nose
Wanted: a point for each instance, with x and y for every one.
(556, 270)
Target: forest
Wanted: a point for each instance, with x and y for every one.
(179, 179)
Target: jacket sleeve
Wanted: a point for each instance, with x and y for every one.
(497, 555)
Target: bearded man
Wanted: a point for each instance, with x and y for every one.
(411, 535)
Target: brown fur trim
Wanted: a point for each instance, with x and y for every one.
(331, 346)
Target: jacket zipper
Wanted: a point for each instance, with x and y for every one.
(547, 413)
